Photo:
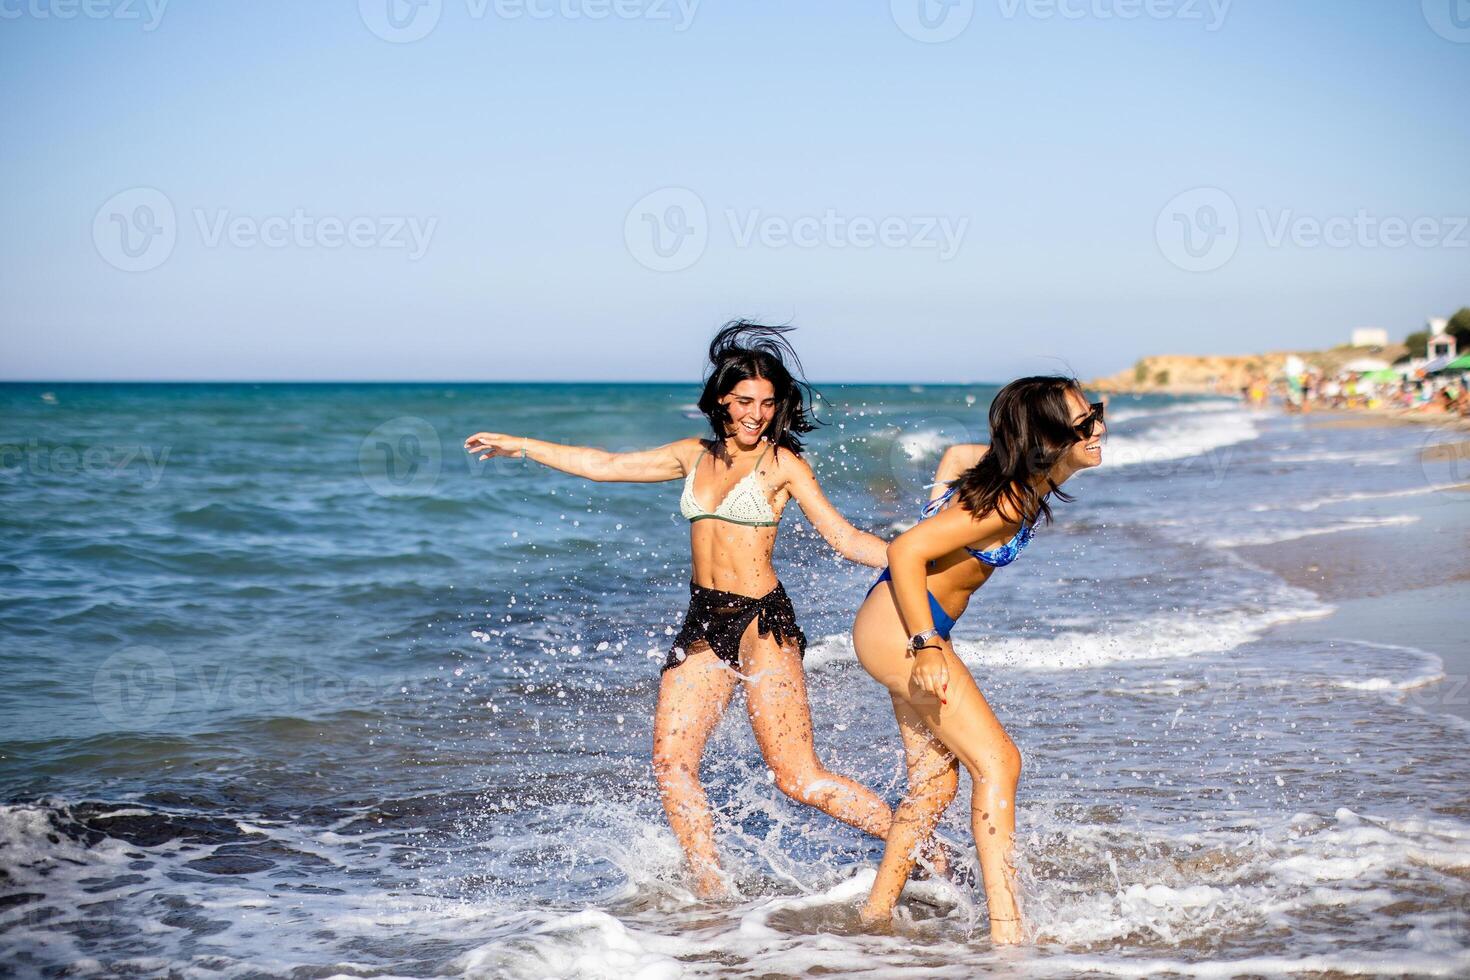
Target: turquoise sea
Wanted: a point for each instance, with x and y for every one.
(295, 688)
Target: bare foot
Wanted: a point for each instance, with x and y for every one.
(1006, 931)
(711, 887)
(875, 918)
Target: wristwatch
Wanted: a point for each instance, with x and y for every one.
(920, 640)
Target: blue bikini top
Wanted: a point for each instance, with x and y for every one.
(999, 555)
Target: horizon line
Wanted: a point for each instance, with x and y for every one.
(441, 381)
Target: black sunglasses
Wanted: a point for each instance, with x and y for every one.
(1087, 425)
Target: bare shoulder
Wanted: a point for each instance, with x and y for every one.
(957, 459)
(686, 451)
(786, 465)
(964, 456)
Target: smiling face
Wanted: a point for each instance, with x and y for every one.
(751, 404)
(1085, 453)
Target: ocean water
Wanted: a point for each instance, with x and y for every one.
(295, 688)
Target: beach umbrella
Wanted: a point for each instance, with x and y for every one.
(1386, 376)
(1461, 363)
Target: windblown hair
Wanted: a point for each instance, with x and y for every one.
(744, 350)
(1030, 430)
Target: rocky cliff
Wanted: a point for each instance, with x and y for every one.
(1186, 374)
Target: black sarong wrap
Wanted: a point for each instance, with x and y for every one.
(720, 619)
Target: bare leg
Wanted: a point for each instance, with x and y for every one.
(968, 727)
(781, 720)
(933, 781)
(691, 699)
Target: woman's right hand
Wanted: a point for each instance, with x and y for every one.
(494, 444)
(931, 672)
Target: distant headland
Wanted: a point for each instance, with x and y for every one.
(1182, 374)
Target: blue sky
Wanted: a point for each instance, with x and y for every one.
(585, 189)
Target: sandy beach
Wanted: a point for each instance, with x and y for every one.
(1403, 584)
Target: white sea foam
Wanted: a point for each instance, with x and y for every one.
(1181, 436)
(1114, 642)
(1121, 642)
(1358, 457)
(925, 443)
(1422, 669)
(1182, 431)
(1344, 498)
(1129, 414)
(1396, 963)
(1280, 534)
(1184, 884)
(590, 944)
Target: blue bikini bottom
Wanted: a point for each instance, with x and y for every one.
(943, 621)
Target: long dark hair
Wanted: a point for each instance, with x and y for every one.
(743, 350)
(1030, 430)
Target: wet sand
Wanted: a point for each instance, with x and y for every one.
(1371, 418)
(1404, 585)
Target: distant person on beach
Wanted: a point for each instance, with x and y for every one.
(985, 508)
(740, 624)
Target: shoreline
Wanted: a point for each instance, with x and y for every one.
(1404, 585)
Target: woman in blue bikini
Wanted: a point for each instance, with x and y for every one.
(740, 624)
(1042, 430)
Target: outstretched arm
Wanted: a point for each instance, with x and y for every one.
(846, 540)
(666, 462)
(956, 460)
